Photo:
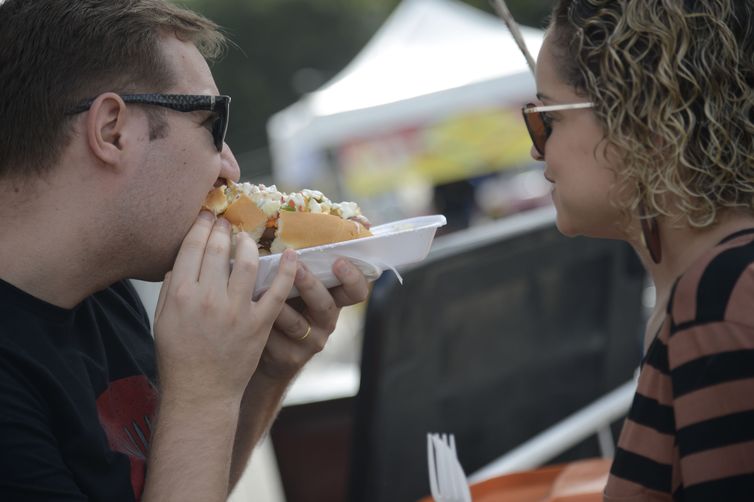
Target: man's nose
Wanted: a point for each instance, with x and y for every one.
(230, 168)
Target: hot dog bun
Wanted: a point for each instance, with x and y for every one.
(243, 207)
(299, 230)
(278, 220)
(245, 215)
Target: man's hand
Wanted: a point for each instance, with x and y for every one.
(209, 334)
(301, 330)
(313, 315)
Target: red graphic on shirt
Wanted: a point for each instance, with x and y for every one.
(126, 412)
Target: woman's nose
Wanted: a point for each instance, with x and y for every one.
(536, 155)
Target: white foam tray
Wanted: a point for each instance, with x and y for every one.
(390, 246)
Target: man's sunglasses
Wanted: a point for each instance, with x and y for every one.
(219, 105)
(538, 123)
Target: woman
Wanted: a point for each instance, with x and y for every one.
(646, 129)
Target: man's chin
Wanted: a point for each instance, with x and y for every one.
(152, 276)
(157, 268)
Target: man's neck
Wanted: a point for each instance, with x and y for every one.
(49, 245)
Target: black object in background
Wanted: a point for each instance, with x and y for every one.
(503, 331)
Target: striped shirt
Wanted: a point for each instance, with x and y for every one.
(689, 434)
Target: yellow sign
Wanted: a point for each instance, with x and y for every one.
(460, 147)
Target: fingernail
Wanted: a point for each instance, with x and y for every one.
(206, 215)
(343, 267)
(289, 255)
(300, 273)
(223, 223)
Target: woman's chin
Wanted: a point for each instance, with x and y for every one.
(596, 229)
(566, 226)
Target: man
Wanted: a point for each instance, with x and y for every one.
(112, 134)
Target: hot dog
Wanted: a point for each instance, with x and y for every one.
(278, 220)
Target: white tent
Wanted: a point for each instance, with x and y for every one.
(430, 59)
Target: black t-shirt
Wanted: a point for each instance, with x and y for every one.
(77, 396)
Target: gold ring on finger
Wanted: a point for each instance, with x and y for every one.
(308, 332)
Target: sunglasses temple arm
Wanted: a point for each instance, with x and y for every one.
(502, 10)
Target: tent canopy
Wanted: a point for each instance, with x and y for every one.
(430, 59)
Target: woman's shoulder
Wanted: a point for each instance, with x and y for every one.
(719, 285)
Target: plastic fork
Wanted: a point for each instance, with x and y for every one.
(447, 481)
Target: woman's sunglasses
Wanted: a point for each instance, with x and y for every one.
(219, 105)
(538, 123)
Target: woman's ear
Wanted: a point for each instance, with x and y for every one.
(105, 126)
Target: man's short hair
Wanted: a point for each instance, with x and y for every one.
(55, 54)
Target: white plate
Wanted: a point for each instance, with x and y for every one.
(390, 246)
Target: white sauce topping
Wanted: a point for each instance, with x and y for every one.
(270, 200)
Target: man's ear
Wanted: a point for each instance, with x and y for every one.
(105, 126)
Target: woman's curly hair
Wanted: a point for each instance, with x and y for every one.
(673, 86)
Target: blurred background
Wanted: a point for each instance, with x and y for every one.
(412, 107)
(405, 107)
